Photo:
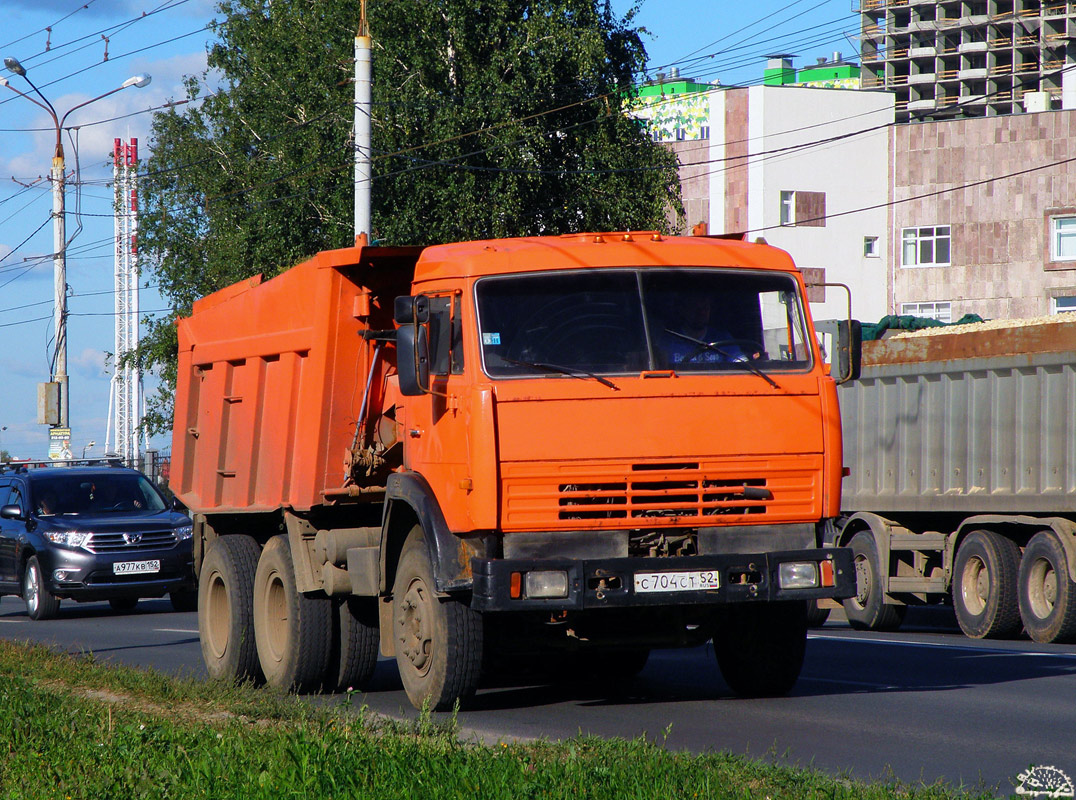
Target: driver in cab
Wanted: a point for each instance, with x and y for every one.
(694, 339)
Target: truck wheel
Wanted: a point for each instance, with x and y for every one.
(816, 616)
(225, 609)
(293, 631)
(868, 610)
(438, 641)
(1047, 596)
(760, 646)
(355, 644)
(40, 602)
(984, 586)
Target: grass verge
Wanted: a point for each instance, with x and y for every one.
(73, 728)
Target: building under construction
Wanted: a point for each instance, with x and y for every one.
(970, 57)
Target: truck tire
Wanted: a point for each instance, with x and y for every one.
(984, 586)
(868, 609)
(760, 646)
(225, 609)
(816, 616)
(1047, 596)
(293, 631)
(353, 656)
(438, 641)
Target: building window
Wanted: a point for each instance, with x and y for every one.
(1059, 305)
(943, 312)
(803, 208)
(926, 247)
(704, 132)
(788, 200)
(870, 247)
(1063, 238)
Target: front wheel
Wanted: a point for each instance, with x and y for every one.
(1047, 596)
(438, 640)
(868, 609)
(40, 602)
(293, 631)
(760, 646)
(984, 586)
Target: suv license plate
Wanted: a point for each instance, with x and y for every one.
(135, 567)
(676, 581)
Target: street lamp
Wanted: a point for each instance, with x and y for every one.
(89, 444)
(59, 232)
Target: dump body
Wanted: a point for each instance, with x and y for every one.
(974, 422)
(606, 442)
(961, 450)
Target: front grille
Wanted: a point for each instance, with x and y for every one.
(666, 497)
(626, 494)
(130, 541)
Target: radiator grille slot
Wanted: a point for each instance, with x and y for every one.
(681, 496)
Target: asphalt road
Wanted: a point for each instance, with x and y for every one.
(924, 704)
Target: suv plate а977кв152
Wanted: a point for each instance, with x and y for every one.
(91, 533)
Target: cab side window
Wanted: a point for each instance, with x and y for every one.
(446, 336)
(5, 491)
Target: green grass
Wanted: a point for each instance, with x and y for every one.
(73, 728)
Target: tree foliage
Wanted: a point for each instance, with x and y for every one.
(491, 118)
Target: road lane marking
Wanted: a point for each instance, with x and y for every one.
(942, 645)
(173, 630)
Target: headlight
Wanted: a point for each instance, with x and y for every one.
(798, 575)
(183, 532)
(69, 538)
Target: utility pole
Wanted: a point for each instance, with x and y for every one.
(363, 109)
(59, 231)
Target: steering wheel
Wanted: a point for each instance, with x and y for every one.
(750, 349)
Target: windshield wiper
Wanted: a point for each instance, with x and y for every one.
(572, 372)
(716, 347)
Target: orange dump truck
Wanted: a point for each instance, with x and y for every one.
(475, 454)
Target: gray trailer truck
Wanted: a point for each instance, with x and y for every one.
(960, 485)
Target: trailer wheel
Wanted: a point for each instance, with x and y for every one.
(438, 640)
(293, 631)
(225, 609)
(868, 609)
(760, 646)
(1047, 596)
(984, 586)
(355, 644)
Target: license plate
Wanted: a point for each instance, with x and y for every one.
(135, 567)
(693, 581)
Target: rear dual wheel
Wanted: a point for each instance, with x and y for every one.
(985, 586)
(1047, 596)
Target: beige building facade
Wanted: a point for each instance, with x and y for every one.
(983, 216)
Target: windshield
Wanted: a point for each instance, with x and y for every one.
(612, 322)
(94, 494)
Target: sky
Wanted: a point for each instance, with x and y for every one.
(76, 50)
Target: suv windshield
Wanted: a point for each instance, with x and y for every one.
(626, 321)
(94, 494)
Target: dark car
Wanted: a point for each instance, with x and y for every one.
(91, 533)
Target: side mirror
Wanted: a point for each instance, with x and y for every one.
(410, 310)
(847, 346)
(11, 512)
(413, 359)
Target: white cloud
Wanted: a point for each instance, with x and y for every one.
(88, 363)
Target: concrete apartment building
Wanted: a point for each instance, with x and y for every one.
(986, 56)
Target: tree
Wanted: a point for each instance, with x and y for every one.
(491, 118)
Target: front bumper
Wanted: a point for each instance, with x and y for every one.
(610, 582)
(90, 576)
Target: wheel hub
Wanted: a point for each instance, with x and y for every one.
(1042, 588)
(863, 578)
(414, 627)
(975, 586)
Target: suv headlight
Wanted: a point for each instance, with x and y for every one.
(69, 538)
(184, 532)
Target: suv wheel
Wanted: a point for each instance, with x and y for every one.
(40, 602)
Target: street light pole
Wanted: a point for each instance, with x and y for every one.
(59, 230)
